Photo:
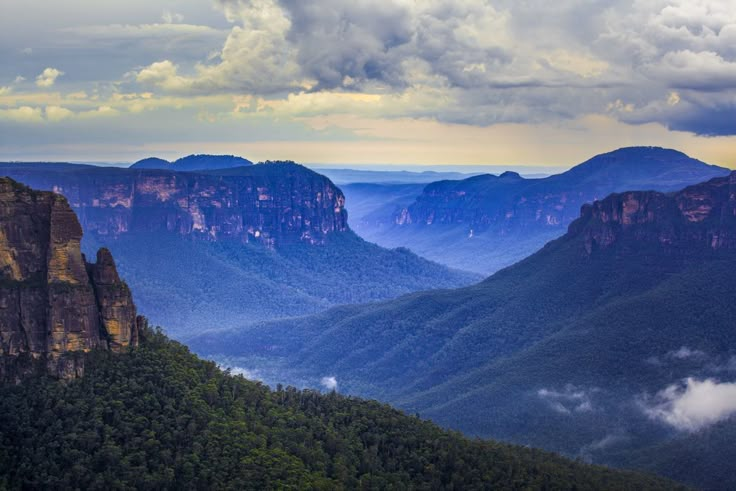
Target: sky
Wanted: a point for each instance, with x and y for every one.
(432, 82)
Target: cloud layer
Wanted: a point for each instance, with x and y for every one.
(694, 404)
(670, 62)
(352, 66)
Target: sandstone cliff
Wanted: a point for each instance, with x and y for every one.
(271, 204)
(703, 216)
(53, 305)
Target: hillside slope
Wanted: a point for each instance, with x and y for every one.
(585, 347)
(159, 418)
(137, 411)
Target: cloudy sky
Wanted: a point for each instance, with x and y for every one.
(379, 81)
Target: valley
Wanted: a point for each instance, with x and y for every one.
(586, 347)
(571, 349)
(215, 249)
(372, 245)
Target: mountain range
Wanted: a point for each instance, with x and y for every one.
(613, 343)
(487, 222)
(138, 411)
(222, 248)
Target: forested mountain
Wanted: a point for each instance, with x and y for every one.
(137, 411)
(223, 248)
(598, 346)
(487, 222)
(160, 418)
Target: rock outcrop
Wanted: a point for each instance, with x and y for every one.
(271, 204)
(53, 305)
(703, 216)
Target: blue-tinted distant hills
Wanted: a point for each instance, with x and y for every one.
(486, 222)
(350, 176)
(193, 163)
(152, 163)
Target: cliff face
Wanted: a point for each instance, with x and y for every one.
(499, 204)
(271, 203)
(52, 303)
(702, 215)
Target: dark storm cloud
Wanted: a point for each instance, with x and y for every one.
(360, 40)
(707, 121)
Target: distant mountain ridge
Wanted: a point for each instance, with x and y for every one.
(194, 163)
(581, 348)
(487, 222)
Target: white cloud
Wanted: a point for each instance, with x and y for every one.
(685, 353)
(170, 32)
(255, 58)
(589, 451)
(694, 404)
(169, 17)
(48, 77)
(22, 114)
(480, 63)
(57, 113)
(570, 399)
(163, 74)
(249, 374)
(329, 383)
(681, 354)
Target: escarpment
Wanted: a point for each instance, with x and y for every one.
(270, 204)
(702, 216)
(53, 304)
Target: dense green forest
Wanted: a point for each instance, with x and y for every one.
(160, 418)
